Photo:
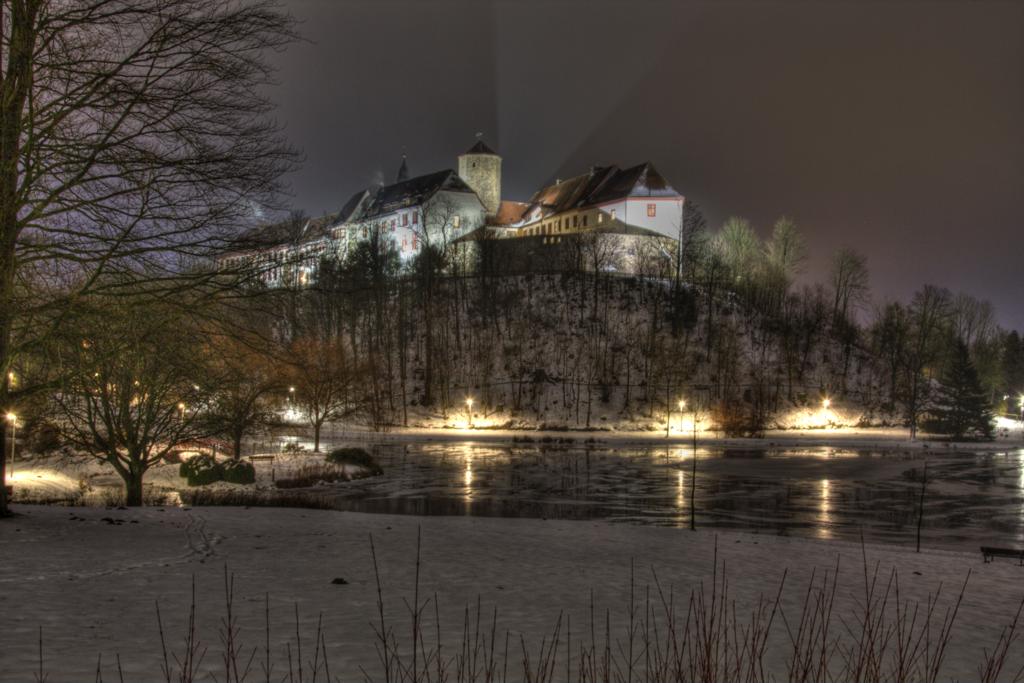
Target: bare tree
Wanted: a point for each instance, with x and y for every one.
(136, 385)
(243, 381)
(929, 319)
(739, 249)
(691, 243)
(436, 232)
(784, 256)
(133, 134)
(326, 381)
(972, 320)
(849, 280)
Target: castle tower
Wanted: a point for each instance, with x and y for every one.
(480, 168)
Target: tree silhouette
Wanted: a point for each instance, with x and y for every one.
(961, 408)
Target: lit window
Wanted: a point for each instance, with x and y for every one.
(613, 214)
(457, 221)
(405, 219)
(415, 217)
(652, 210)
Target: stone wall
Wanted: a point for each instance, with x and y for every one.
(482, 172)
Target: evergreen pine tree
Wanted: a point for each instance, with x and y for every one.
(961, 407)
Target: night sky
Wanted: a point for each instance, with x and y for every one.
(896, 128)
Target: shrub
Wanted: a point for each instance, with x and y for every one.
(239, 472)
(44, 437)
(201, 470)
(311, 475)
(354, 456)
(740, 418)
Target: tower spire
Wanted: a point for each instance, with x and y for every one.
(403, 171)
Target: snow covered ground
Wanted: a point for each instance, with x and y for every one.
(90, 578)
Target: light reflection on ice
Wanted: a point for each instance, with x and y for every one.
(467, 478)
(1020, 494)
(825, 509)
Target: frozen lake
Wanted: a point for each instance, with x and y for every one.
(972, 498)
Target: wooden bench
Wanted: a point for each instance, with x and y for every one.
(989, 553)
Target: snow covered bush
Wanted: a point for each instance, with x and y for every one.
(354, 456)
(201, 470)
(312, 475)
(239, 472)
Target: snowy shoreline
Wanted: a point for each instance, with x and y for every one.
(90, 578)
(873, 438)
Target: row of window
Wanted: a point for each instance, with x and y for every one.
(560, 224)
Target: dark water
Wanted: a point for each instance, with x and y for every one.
(971, 498)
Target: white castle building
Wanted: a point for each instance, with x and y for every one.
(446, 208)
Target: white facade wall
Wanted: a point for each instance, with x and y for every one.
(635, 211)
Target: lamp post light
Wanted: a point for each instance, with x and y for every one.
(682, 405)
(825, 403)
(12, 420)
(469, 411)
(181, 412)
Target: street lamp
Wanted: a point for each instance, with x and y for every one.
(681, 404)
(825, 403)
(12, 419)
(181, 411)
(469, 411)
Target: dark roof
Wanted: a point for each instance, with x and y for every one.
(602, 184)
(481, 148)
(411, 192)
(353, 205)
(289, 232)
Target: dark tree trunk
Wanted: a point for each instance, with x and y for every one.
(133, 488)
(3, 472)
(13, 95)
(316, 437)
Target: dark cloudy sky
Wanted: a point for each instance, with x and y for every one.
(893, 127)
